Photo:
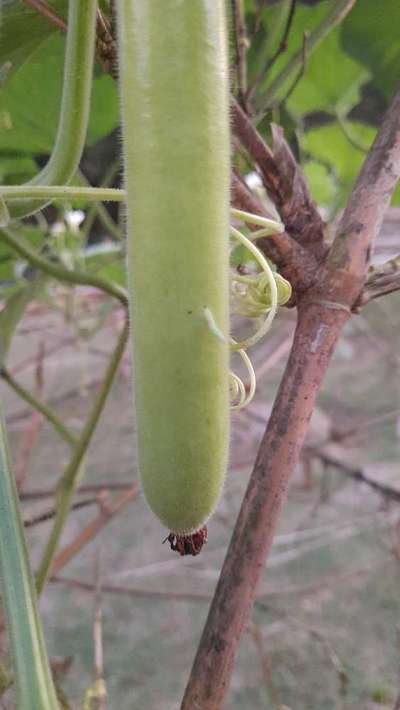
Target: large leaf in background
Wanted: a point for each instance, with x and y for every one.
(8, 258)
(23, 29)
(329, 146)
(371, 35)
(323, 184)
(31, 102)
(330, 78)
(17, 169)
(106, 260)
(331, 81)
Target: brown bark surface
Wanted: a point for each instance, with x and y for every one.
(323, 310)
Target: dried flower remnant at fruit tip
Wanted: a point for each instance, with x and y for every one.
(188, 544)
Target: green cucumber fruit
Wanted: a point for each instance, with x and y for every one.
(175, 108)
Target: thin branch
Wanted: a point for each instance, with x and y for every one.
(295, 590)
(322, 314)
(381, 280)
(255, 145)
(301, 71)
(334, 17)
(278, 26)
(106, 513)
(265, 664)
(241, 45)
(386, 285)
(106, 48)
(69, 478)
(363, 216)
(284, 41)
(344, 128)
(43, 9)
(40, 407)
(36, 422)
(60, 272)
(39, 494)
(29, 438)
(355, 472)
(389, 268)
(50, 514)
(283, 180)
(105, 44)
(96, 696)
(258, 16)
(131, 591)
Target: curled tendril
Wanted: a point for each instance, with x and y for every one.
(265, 326)
(254, 295)
(238, 390)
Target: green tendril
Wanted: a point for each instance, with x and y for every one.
(254, 295)
(238, 389)
(265, 326)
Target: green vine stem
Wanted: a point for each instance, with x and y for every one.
(69, 480)
(335, 16)
(97, 209)
(32, 672)
(40, 407)
(46, 193)
(60, 272)
(75, 104)
(4, 213)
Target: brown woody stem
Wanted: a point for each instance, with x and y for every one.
(320, 323)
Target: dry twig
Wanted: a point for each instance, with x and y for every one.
(107, 511)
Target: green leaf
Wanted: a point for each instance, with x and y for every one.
(22, 30)
(31, 666)
(8, 257)
(15, 308)
(14, 170)
(322, 183)
(30, 102)
(332, 148)
(395, 201)
(328, 75)
(331, 81)
(104, 113)
(106, 260)
(370, 34)
(272, 26)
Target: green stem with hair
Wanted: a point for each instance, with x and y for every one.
(60, 272)
(97, 209)
(75, 105)
(36, 193)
